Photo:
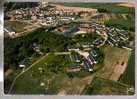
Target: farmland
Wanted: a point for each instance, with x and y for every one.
(102, 86)
(114, 55)
(126, 24)
(129, 74)
(106, 7)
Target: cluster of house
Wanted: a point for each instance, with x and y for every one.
(86, 63)
(55, 20)
(113, 36)
(91, 60)
(76, 58)
(75, 29)
(83, 28)
(25, 13)
(116, 37)
(63, 10)
(48, 14)
(47, 10)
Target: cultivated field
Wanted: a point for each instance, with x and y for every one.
(129, 75)
(113, 56)
(109, 7)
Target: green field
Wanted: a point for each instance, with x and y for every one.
(49, 71)
(129, 75)
(126, 24)
(52, 72)
(100, 86)
(86, 38)
(103, 7)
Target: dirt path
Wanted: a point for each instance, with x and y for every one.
(11, 87)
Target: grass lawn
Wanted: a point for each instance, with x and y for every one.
(86, 38)
(43, 72)
(50, 72)
(126, 24)
(19, 26)
(100, 86)
(110, 7)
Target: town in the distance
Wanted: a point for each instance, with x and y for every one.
(69, 48)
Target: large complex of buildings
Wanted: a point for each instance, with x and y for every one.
(74, 10)
(39, 12)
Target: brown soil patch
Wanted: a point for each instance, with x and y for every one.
(118, 71)
(112, 63)
(8, 72)
(126, 5)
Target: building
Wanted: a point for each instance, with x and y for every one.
(98, 41)
(74, 68)
(72, 30)
(36, 47)
(91, 58)
(88, 66)
(74, 10)
(77, 57)
(23, 63)
(86, 28)
(93, 53)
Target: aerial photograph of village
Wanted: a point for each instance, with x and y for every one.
(69, 48)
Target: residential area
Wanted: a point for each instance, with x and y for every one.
(69, 48)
